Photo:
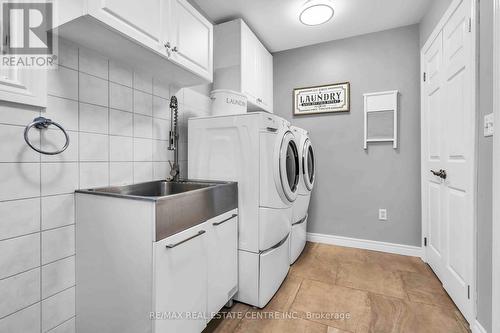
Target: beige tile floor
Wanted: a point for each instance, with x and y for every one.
(333, 289)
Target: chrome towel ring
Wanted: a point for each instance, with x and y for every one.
(43, 123)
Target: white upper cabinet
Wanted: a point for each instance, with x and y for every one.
(140, 20)
(191, 39)
(24, 86)
(242, 63)
(169, 37)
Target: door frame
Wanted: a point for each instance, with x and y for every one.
(496, 172)
(474, 66)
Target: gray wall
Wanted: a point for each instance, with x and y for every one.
(352, 184)
(485, 167)
(432, 17)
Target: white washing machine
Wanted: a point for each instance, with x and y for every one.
(298, 234)
(259, 152)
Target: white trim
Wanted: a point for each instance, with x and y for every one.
(405, 250)
(477, 328)
(496, 174)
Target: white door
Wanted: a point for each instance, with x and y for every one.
(222, 261)
(191, 39)
(448, 156)
(181, 281)
(139, 20)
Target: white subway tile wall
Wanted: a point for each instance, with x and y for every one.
(118, 123)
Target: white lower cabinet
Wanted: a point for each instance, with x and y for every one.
(222, 262)
(195, 274)
(180, 281)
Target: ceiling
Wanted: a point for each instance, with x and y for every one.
(277, 25)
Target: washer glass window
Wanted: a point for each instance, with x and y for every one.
(292, 166)
(289, 167)
(310, 164)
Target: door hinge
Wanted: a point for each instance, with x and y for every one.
(470, 24)
(468, 292)
(425, 76)
(425, 241)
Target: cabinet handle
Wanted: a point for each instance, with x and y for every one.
(175, 49)
(171, 246)
(224, 221)
(167, 49)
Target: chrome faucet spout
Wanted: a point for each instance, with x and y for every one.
(173, 138)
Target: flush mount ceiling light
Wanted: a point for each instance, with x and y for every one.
(316, 13)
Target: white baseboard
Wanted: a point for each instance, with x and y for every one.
(477, 328)
(405, 250)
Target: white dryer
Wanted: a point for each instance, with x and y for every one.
(298, 232)
(259, 152)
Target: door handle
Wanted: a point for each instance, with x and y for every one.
(171, 246)
(223, 221)
(441, 173)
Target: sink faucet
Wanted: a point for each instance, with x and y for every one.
(173, 139)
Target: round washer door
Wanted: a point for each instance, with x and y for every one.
(289, 166)
(308, 165)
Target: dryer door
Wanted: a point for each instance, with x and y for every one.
(308, 164)
(289, 166)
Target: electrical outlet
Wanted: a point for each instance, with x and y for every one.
(382, 214)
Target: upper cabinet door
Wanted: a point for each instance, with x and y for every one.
(256, 71)
(139, 20)
(249, 64)
(268, 81)
(191, 39)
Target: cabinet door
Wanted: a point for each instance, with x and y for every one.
(139, 20)
(222, 261)
(191, 39)
(181, 281)
(249, 64)
(24, 86)
(262, 84)
(267, 97)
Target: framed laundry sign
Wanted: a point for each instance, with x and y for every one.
(322, 99)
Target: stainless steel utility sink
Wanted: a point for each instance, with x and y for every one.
(154, 189)
(178, 205)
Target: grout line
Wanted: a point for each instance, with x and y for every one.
(24, 308)
(59, 227)
(38, 196)
(23, 235)
(109, 120)
(60, 259)
(64, 322)
(40, 241)
(22, 272)
(59, 292)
